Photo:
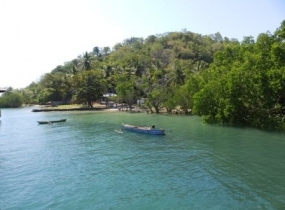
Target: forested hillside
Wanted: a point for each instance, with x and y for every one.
(221, 79)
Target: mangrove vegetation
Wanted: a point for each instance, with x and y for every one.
(224, 80)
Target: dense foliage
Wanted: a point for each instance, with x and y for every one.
(246, 83)
(11, 100)
(221, 79)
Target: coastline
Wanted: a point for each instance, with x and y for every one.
(96, 107)
(68, 109)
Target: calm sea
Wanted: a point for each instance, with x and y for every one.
(84, 164)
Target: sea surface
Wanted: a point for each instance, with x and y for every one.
(84, 164)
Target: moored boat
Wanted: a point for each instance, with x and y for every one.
(143, 129)
(51, 121)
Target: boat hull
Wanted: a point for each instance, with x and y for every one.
(146, 130)
(51, 121)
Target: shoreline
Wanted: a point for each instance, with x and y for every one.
(85, 109)
(68, 109)
(75, 107)
(48, 108)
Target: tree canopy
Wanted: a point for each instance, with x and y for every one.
(221, 79)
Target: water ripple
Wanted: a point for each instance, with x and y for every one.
(85, 164)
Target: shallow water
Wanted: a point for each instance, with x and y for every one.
(84, 164)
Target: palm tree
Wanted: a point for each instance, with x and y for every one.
(96, 51)
(86, 61)
(176, 75)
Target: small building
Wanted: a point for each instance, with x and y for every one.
(105, 100)
(107, 95)
(2, 90)
(140, 101)
(110, 104)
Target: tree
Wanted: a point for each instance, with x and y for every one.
(96, 51)
(176, 74)
(106, 50)
(280, 32)
(54, 87)
(245, 84)
(86, 61)
(11, 100)
(126, 89)
(154, 85)
(89, 86)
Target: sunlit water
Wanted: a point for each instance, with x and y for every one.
(84, 164)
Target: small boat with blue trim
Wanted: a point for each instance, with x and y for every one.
(143, 129)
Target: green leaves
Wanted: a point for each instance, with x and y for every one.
(11, 100)
(89, 86)
(245, 84)
(224, 80)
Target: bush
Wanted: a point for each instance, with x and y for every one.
(11, 100)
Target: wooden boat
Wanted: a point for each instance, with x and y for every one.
(143, 129)
(51, 121)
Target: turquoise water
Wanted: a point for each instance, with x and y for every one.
(84, 164)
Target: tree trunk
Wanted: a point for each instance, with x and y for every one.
(90, 104)
(130, 106)
(150, 108)
(156, 109)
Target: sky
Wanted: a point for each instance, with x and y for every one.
(38, 35)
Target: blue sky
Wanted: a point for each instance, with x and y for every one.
(38, 35)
